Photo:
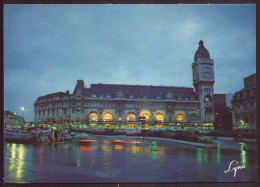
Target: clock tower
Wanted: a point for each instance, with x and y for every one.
(203, 81)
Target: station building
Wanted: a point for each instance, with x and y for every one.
(119, 106)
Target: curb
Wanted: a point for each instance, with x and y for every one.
(206, 145)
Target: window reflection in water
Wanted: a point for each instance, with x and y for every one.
(205, 155)
(135, 149)
(199, 160)
(78, 157)
(13, 151)
(118, 147)
(106, 149)
(199, 155)
(85, 148)
(243, 153)
(40, 155)
(157, 153)
(106, 142)
(218, 155)
(17, 164)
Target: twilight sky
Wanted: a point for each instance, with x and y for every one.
(47, 48)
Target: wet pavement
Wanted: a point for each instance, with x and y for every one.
(104, 161)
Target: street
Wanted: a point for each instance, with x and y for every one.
(104, 161)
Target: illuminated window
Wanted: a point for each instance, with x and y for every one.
(130, 117)
(158, 126)
(207, 99)
(107, 126)
(107, 117)
(93, 117)
(130, 126)
(159, 117)
(147, 117)
(180, 117)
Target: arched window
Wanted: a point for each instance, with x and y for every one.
(180, 117)
(159, 117)
(130, 117)
(107, 117)
(146, 115)
(207, 100)
(93, 116)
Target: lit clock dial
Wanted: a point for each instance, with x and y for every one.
(207, 72)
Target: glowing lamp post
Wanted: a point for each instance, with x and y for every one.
(23, 109)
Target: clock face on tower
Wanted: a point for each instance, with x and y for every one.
(207, 72)
(195, 74)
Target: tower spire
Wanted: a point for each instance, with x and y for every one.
(202, 52)
(201, 43)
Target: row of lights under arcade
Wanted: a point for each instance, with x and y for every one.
(159, 118)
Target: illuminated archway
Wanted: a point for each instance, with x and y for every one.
(93, 116)
(146, 115)
(159, 117)
(107, 116)
(130, 117)
(180, 117)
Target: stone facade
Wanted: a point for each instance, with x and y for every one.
(115, 106)
(244, 107)
(203, 81)
(11, 120)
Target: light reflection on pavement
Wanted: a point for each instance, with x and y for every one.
(103, 161)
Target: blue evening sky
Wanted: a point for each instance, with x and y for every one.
(47, 48)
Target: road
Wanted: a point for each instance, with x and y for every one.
(104, 161)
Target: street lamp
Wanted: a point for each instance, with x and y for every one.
(23, 108)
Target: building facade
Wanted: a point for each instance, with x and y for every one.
(12, 120)
(112, 106)
(244, 107)
(223, 114)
